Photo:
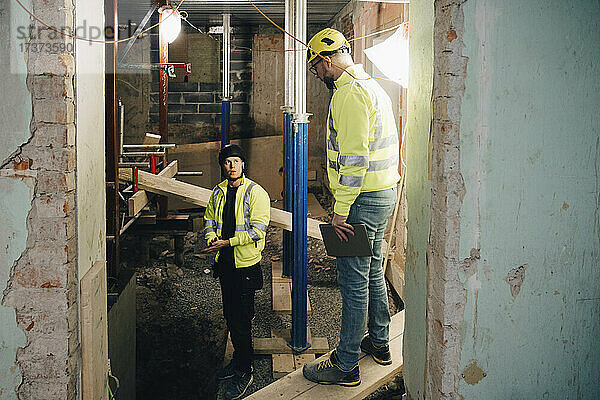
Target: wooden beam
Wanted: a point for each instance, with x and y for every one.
(295, 387)
(277, 345)
(170, 170)
(137, 202)
(151, 138)
(282, 298)
(140, 199)
(200, 196)
(94, 333)
(283, 364)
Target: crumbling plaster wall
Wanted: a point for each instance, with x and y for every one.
(39, 313)
(16, 193)
(512, 304)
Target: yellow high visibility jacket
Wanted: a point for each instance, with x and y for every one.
(252, 215)
(362, 139)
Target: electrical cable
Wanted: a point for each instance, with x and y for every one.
(376, 33)
(92, 40)
(349, 40)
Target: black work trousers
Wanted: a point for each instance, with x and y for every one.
(237, 291)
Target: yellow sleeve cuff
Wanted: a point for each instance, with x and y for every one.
(234, 241)
(209, 237)
(341, 208)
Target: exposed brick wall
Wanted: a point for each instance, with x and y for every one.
(446, 294)
(195, 107)
(43, 286)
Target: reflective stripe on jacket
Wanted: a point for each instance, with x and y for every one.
(362, 139)
(252, 215)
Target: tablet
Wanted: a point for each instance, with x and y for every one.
(356, 246)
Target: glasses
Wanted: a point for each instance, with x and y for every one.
(313, 68)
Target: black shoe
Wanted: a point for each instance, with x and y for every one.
(237, 386)
(226, 372)
(381, 355)
(328, 372)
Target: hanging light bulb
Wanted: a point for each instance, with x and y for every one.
(170, 24)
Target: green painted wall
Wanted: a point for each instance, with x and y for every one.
(418, 193)
(15, 115)
(13, 238)
(530, 158)
(15, 111)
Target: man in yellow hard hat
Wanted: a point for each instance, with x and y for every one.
(362, 166)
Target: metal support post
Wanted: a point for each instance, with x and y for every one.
(135, 179)
(289, 47)
(225, 103)
(288, 141)
(300, 161)
(299, 275)
(225, 122)
(152, 164)
(121, 129)
(288, 190)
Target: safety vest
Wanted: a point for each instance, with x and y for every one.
(252, 215)
(362, 139)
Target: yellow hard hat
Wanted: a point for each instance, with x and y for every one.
(326, 42)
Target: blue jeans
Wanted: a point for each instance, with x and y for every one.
(361, 280)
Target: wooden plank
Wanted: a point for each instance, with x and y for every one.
(319, 345)
(139, 200)
(151, 138)
(170, 170)
(281, 295)
(282, 298)
(301, 359)
(277, 273)
(283, 364)
(94, 333)
(295, 386)
(277, 270)
(200, 196)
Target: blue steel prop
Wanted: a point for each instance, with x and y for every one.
(288, 190)
(225, 125)
(225, 122)
(299, 341)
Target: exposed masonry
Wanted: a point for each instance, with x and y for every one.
(43, 285)
(447, 295)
